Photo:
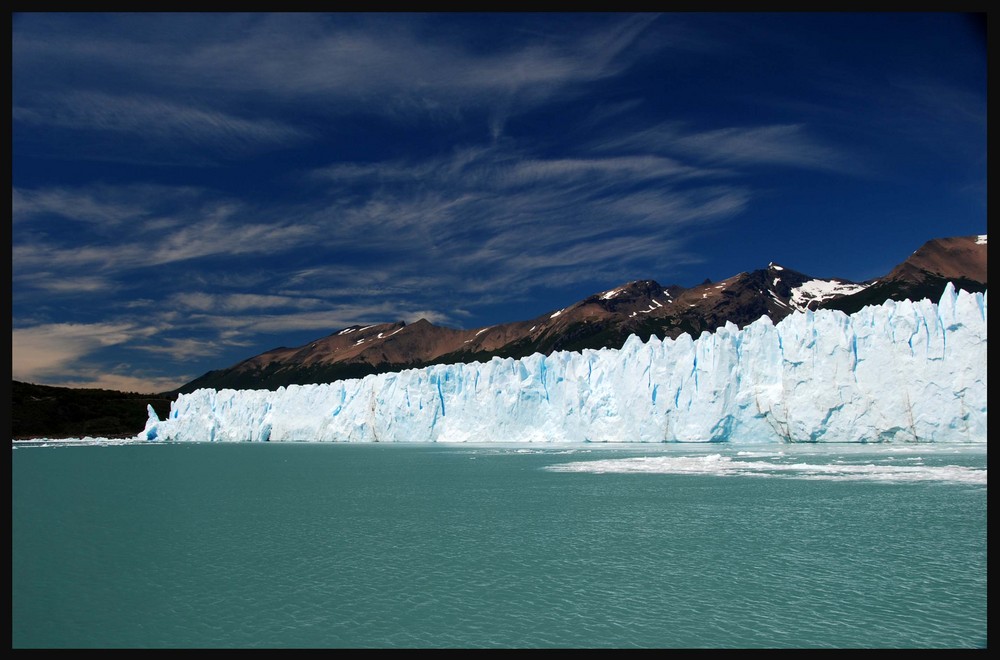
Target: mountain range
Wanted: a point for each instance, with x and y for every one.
(606, 319)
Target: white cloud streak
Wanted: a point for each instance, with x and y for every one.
(240, 302)
(786, 145)
(154, 119)
(80, 205)
(194, 228)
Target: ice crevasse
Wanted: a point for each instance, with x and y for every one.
(897, 372)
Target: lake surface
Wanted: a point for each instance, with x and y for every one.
(476, 546)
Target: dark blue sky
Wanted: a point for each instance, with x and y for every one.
(190, 190)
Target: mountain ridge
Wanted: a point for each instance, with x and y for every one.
(605, 319)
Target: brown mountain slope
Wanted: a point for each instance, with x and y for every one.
(960, 260)
(951, 258)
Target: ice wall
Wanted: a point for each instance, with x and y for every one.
(901, 372)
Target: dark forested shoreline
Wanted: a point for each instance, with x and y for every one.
(41, 411)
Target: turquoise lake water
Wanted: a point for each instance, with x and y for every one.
(478, 546)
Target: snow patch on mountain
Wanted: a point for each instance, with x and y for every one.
(818, 291)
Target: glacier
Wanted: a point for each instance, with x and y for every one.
(906, 371)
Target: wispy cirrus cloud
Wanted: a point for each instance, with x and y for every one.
(511, 217)
(240, 302)
(44, 349)
(85, 205)
(212, 239)
(470, 227)
(358, 57)
(385, 65)
(619, 168)
(154, 119)
(142, 205)
(151, 227)
(66, 354)
(786, 145)
(186, 348)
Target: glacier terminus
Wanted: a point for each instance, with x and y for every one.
(903, 371)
